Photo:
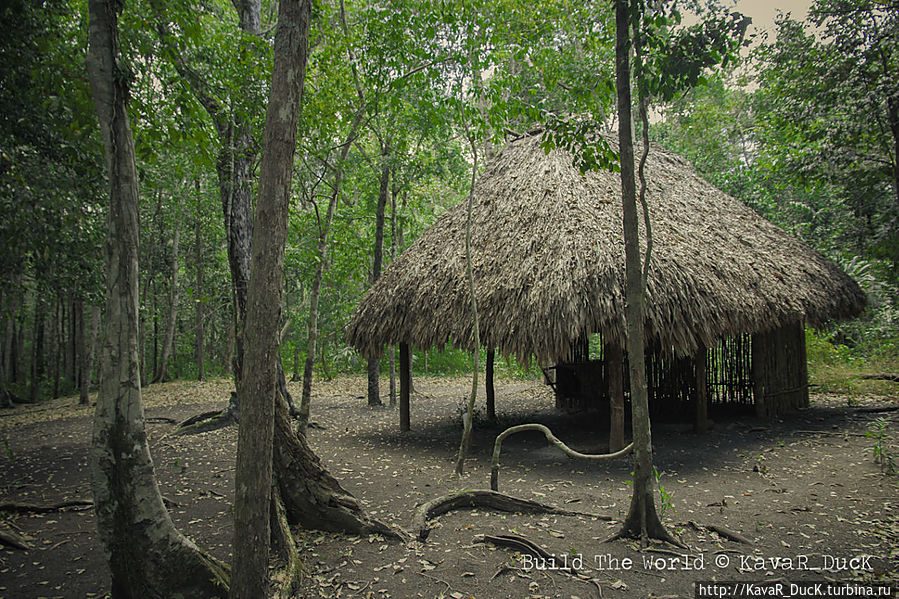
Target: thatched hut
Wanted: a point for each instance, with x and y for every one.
(548, 260)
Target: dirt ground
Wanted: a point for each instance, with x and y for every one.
(805, 491)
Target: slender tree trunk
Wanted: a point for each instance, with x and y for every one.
(199, 330)
(57, 347)
(147, 555)
(642, 520)
(174, 293)
(374, 394)
(392, 351)
(467, 417)
(72, 353)
(315, 293)
(92, 350)
(613, 357)
(488, 383)
(259, 385)
(84, 375)
(37, 353)
(405, 387)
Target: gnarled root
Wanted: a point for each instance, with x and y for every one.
(497, 447)
(483, 498)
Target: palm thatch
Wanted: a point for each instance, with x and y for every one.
(548, 258)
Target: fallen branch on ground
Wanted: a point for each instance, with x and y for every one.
(881, 376)
(33, 508)
(497, 447)
(486, 499)
(205, 422)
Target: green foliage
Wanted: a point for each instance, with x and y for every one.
(881, 449)
(666, 503)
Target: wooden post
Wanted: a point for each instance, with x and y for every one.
(405, 386)
(615, 380)
(488, 381)
(702, 392)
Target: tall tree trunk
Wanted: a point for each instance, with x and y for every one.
(199, 331)
(467, 417)
(324, 229)
(58, 346)
(92, 350)
(392, 350)
(488, 385)
(642, 520)
(84, 375)
(147, 555)
(259, 385)
(169, 340)
(374, 393)
(37, 353)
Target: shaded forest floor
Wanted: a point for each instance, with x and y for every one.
(803, 486)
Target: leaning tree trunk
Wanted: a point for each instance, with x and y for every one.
(162, 367)
(147, 555)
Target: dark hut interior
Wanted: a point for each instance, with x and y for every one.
(763, 373)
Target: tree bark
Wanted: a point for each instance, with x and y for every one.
(147, 555)
(259, 384)
(162, 367)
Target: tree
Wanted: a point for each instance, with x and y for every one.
(828, 118)
(147, 555)
(671, 63)
(259, 385)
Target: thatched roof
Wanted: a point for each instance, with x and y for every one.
(548, 256)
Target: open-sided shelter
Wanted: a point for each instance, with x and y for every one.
(728, 292)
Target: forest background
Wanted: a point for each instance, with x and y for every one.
(805, 130)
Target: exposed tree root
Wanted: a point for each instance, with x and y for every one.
(643, 523)
(483, 499)
(497, 447)
(312, 497)
(723, 532)
(12, 539)
(34, 508)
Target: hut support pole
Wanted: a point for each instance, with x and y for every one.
(615, 380)
(488, 381)
(405, 386)
(702, 396)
